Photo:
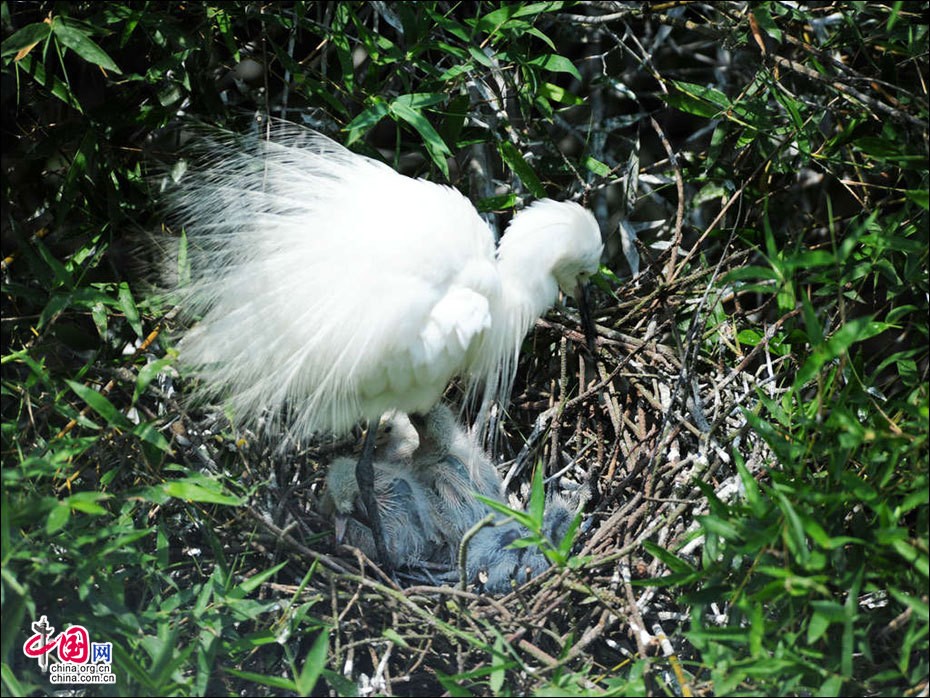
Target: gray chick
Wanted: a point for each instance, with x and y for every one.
(495, 566)
(456, 468)
(408, 512)
(427, 472)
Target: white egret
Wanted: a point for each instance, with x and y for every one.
(330, 289)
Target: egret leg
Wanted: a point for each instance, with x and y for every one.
(365, 476)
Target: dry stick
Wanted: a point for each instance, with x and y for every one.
(599, 19)
(285, 537)
(593, 632)
(763, 343)
(542, 420)
(398, 596)
(651, 528)
(573, 581)
(659, 634)
(635, 621)
(848, 91)
(469, 596)
(680, 188)
(666, 416)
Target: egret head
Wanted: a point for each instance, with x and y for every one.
(397, 437)
(580, 254)
(560, 237)
(553, 246)
(342, 493)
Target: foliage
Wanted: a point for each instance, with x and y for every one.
(760, 172)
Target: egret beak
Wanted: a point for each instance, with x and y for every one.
(582, 298)
(340, 522)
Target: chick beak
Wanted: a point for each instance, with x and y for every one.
(582, 298)
(340, 522)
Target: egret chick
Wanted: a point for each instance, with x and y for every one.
(452, 467)
(412, 534)
(422, 525)
(452, 464)
(493, 564)
(330, 289)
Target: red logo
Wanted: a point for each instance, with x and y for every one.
(74, 645)
(79, 660)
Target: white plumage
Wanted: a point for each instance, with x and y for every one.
(332, 289)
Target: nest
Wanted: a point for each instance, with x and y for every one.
(641, 425)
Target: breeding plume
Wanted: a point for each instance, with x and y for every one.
(330, 289)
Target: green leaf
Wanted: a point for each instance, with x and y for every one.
(496, 677)
(58, 518)
(559, 94)
(493, 21)
(86, 502)
(697, 99)
(765, 22)
(200, 489)
(100, 404)
(98, 314)
(435, 146)
(921, 197)
(751, 272)
(419, 100)
(501, 202)
(148, 433)
(256, 580)
(56, 304)
(520, 517)
(750, 487)
(59, 88)
(556, 64)
(597, 167)
(147, 374)
(366, 120)
(852, 332)
(534, 9)
(128, 305)
(314, 663)
(78, 41)
(676, 564)
(278, 682)
(537, 501)
(521, 168)
(62, 276)
(25, 39)
(819, 623)
(793, 531)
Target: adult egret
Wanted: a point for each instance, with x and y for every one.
(330, 289)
